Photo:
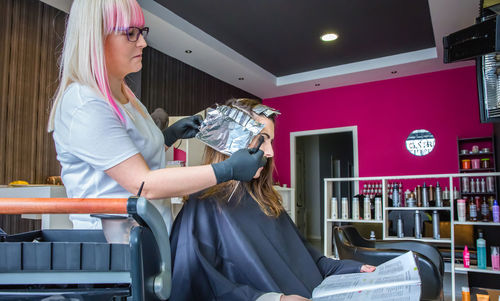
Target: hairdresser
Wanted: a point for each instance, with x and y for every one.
(106, 141)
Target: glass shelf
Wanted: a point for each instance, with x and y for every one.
(426, 239)
(476, 223)
(473, 268)
(477, 169)
(476, 154)
(417, 208)
(354, 220)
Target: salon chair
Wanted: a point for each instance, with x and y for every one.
(351, 245)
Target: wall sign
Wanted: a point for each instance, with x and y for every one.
(420, 142)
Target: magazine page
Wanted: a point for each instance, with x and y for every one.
(396, 277)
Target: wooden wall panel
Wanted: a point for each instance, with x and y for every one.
(179, 88)
(30, 33)
(31, 39)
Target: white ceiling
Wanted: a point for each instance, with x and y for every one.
(172, 35)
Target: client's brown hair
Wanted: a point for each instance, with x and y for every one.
(261, 189)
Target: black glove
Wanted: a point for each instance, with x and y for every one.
(182, 129)
(241, 166)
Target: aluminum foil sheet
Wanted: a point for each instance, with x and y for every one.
(228, 129)
(265, 110)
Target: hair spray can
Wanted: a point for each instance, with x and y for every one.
(334, 209)
(367, 213)
(355, 208)
(378, 208)
(400, 227)
(345, 208)
(418, 232)
(435, 225)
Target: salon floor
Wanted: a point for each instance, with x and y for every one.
(460, 279)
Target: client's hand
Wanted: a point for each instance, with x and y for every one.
(366, 268)
(293, 298)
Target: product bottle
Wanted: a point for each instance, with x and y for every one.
(395, 196)
(400, 227)
(425, 196)
(495, 258)
(496, 212)
(466, 256)
(334, 208)
(446, 194)
(465, 293)
(456, 195)
(483, 185)
(472, 185)
(418, 232)
(461, 210)
(485, 211)
(435, 225)
(372, 235)
(481, 251)
(355, 208)
(472, 211)
(478, 186)
(439, 201)
(367, 209)
(345, 208)
(465, 184)
(490, 184)
(418, 193)
(378, 208)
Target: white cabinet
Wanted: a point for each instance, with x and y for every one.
(445, 180)
(49, 221)
(288, 195)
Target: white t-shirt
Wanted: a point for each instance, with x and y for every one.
(90, 138)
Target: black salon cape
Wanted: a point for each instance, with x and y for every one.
(235, 252)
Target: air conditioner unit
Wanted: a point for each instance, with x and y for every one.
(480, 42)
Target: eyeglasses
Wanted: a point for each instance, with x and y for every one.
(134, 32)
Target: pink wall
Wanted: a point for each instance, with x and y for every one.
(386, 112)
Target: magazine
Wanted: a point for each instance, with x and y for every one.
(396, 279)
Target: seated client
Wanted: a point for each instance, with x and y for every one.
(243, 245)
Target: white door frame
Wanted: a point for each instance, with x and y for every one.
(294, 135)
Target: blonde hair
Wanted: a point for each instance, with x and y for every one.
(82, 59)
(260, 189)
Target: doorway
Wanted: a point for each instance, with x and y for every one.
(316, 155)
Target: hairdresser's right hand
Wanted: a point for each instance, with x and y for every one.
(241, 166)
(293, 298)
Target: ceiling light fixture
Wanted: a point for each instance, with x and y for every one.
(188, 51)
(241, 78)
(329, 37)
(317, 85)
(394, 72)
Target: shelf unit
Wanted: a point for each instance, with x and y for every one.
(452, 180)
(466, 144)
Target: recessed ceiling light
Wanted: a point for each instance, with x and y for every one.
(241, 78)
(329, 37)
(188, 51)
(394, 72)
(317, 85)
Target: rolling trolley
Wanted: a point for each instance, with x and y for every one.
(80, 264)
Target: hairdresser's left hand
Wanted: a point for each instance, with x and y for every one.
(183, 129)
(366, 268)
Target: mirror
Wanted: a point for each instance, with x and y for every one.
(420, 142)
